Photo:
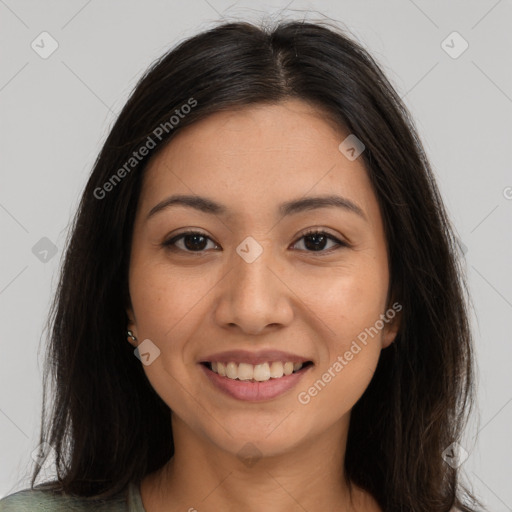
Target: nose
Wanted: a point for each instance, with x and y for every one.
(255, 296)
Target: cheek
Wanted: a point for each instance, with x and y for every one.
(349, 302)
(349, 307)
(163, 296)
(166, 304)
(347, 299)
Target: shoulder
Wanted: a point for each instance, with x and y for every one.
(34, 500)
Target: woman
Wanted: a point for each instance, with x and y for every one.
(261, 305)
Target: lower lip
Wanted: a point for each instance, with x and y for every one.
(254, 391)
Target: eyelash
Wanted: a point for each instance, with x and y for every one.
(171, 243)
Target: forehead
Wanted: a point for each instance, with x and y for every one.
(292, 126)
(258, 156)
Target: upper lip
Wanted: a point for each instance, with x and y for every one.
(253, 357)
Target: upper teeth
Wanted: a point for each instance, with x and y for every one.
(258, 372)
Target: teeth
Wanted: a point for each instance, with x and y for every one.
(261, 372)
(256, 373)
(245, 371)
(276, 369)
(232, 370)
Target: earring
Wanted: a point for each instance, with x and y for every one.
(130, 335)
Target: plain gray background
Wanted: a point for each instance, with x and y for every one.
(56, 112)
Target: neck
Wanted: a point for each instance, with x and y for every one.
(205, 477)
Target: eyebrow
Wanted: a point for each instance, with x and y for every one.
(205, 205)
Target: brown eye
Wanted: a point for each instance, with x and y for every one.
(316, 241)
(193, 241)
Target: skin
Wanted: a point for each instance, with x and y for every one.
(291, 298)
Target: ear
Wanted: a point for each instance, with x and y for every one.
(391, 324)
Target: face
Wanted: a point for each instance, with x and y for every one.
(251, 279)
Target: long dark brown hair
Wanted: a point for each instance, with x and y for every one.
(109, 427)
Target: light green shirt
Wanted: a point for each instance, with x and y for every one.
(29, 500)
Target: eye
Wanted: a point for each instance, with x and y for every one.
(194, 241)
(317, 239)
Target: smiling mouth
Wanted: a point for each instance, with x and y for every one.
(271, 370)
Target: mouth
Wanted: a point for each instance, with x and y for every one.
(254, 383)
